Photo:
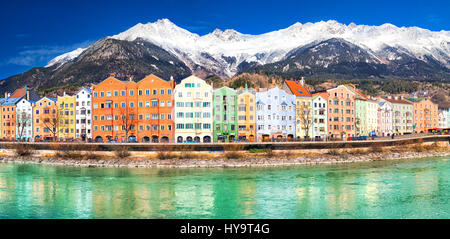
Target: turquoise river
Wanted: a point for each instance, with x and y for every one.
(395, 189)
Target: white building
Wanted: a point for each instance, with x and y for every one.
(193, 110)
(372, 117)
(275, 115)
(83, 116)
(319, 116)
(24, 120)
(443, 119)
(385, 116)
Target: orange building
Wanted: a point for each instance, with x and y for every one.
(155, 110)
(8, 109)
(341, 111)
(425, 114)
(45, 119)
(127, 111)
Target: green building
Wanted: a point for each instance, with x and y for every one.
(225, 115)
(361, 117)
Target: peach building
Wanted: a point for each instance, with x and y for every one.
(341, 112)
(425, 114)
(45, 121)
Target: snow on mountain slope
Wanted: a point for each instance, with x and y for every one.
(223, 51)
(65, 57)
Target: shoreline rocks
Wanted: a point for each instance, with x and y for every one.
(226, 163)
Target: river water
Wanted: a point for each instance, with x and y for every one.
(396, 189)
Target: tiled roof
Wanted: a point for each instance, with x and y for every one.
(11, 101)
(297, 89)
(394, 101)
(324, 94)
(19, 93)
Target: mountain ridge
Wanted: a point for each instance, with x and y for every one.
(351, 51)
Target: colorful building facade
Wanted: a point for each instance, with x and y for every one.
(425, 113)
(402, 115)
(193, 110)
(341, 112)
(319, 117)
(24, 120)
(8, 109)
(66, 116)
(372, 109)
(83, 114)
(275, 115)
(385, 116)
(155, 105)
(114, 111)
(304, 109)
(225, 115)
(246, 104)
(45, 120)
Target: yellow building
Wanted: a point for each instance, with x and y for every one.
(246, 103)
(66, 117)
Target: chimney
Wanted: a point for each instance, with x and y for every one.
(9, 94)
(171, 78)
(302, 81)
(6, 94)
(28, 95)
(112, 74)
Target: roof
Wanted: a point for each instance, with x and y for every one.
(297, 89)
(49, 98)
(19, 93)
(399, 101)
(86, 89)
(11, 101)
(414, 99)
(324, 94)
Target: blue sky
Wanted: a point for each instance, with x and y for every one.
(34, 32)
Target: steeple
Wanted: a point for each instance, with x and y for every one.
(246, 87)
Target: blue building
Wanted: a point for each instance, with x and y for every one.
(275, 115)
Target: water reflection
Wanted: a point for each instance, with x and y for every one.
(413, 189)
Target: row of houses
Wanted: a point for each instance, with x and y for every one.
(156, 110)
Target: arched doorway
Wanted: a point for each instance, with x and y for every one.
(132, 139)
(37, 138)
(231, 138)
(180, 139)
(165, 139)
(145, 139)
(155, 139)
(99, 139)
(220, 138)
(197, 139)
(251, 138)
(266, 138)
(290, 137)
(279, 137)
(207, 139)
(189, 139)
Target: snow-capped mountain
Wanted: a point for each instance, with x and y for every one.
(328, 48)
(224, 51)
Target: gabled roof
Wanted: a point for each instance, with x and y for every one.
(84, 88)
(323, 94)
(297, 89)
(399, 101)
(49, 98)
